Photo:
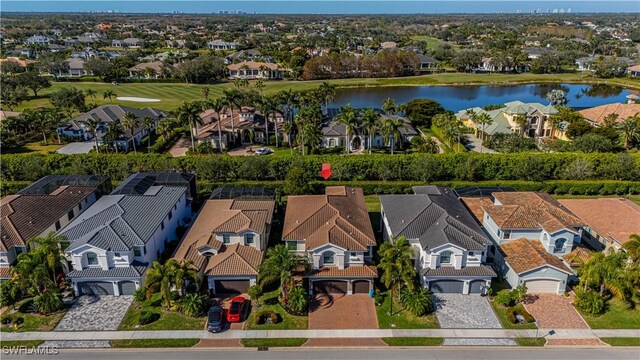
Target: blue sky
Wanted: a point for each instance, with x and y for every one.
(320, 7)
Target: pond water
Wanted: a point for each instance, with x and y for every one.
(463, 97)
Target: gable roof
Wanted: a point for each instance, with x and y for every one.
(233, 260)
(435, 217)
(597, 114)
(525, 255)
(109, 113)
(254, 65)
(339, 217)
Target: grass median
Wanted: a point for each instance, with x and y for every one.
(21, 343)
(531, 341)
(154, 343)
(413, 341)
(622, 341)
(285, 342)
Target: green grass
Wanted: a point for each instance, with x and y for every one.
(531, 341)
(21, 343)
(413, 341)
(457, 147)
(154, 343)
(269, 301)
(169, 320)
(623, 341)
(35, 322)
(403, 319)
(501, 313)
(34, 147)
(373, 203)
(618, 315)
(429, 40)
(284, 342)
(172, 94)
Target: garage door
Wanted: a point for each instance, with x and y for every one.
(127, 287)
(95, 288)
(477, 287)
(542, 286)
(232, 286)
(361, 287)
(446, 286)
(330, 287)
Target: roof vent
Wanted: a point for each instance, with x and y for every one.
(402, 221)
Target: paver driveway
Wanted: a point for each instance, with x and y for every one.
(95, 313)
(554, 312)
(457, 311)
(337, 311)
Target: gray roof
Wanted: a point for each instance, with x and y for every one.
(108, 113)
(331, 127)
(120, 222)
(449, 271)
(435, 217)
(134, 271)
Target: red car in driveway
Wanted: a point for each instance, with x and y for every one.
(237, 309)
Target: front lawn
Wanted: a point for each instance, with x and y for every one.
(275, 342)
(403, 319)
(167, 320)
(413, 341)
(628, 341)
(154, 343)
(33, 321)
(269, 301)
(21, 343)
(34, 147)
(501, 312)
(531, 341)
(618, 315)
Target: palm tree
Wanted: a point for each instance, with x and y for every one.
(522, 121)
(91, 126)
(450, 134)
(370, 120)
(183, 271)
(189, 114)
(632, 247)
(557, 97)
(205, 93)
(50, 248)
(232, 98)
(110, 95)
(483, 119)
(279, 265)
(397, 266)
(41, 121)
(160, 276)
(312, 136)
(165, 127)
(218, 106)
(194, 304)
(629, 129)
(391, 130)
(418, 301)
(31, 273)
(287, 127)
(147, 123)
(389, 106)
(130, 122)
(327, 93)
(350, 118)
(91, 93)
(114, 132)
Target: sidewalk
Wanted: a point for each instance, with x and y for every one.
(312, 334)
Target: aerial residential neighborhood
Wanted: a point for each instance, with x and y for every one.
(376, 179)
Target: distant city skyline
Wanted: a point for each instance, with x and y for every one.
(324, 7)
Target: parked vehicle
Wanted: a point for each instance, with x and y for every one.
(263, 151)
(215, 320)
(237, 309)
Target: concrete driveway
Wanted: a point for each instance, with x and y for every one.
(95, 313)
(457, 311)
(76, 148)
(338, 311)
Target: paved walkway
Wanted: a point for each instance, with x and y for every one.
(345, 342)
(475, 144)
(181, 147)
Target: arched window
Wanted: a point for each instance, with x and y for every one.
(92, 258)
(560, 244)
(328, 258)
(445, 257)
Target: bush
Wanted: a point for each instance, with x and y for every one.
(140, 295)
(512, 312)
(268, 317)
(147, 317)
(6, 319)
(504, 297)
(418, 301)
(589, 302)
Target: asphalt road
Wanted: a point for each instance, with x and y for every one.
(351, 354)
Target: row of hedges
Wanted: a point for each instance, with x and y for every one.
(415, 167)
(163, 144)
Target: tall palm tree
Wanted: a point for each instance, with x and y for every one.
(218, 106)
(130, 122)
(110, 95)
(49, 247)
(287, 127)
(189, 114)
(522, 121)
(183, 271)
(391, 130)
(350, 118)
(165, 127)
(233, 98)
(483, 119)
(370, 120)
(92, 126)
(160, 276)
(629, 129)
(312, 136)
(147, 123)
(327, 92)
(397, 266)
(91, 93)
(279, 265)
(389, 106)
(632, 247)
(41, 121)
(205, 93)
(31, 272)
(114, 132)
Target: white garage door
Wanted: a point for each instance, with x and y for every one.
(542, 286)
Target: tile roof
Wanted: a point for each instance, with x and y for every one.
(597, 114)
(435, 217)
(365, 270)
(524, 255)
(135, 270)
(450, 271)
(254, 65)
(578, 256)
(531, 210)
(340, 217)
(613, 218)
(476, 204)
(235, 260)
(5, 272)
(27, 216)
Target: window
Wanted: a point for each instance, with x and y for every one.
(292, 245)
(92, 258)
(471, 253)
(506, 234)
(328, 258)
(137, 251)
(445, 257)
(118, 255)
(226, 238)
(58, 225)
(534, 120)
(19, 250)
(80, 206)
(162, 225)
(559, 245)
(170, 214)
(70, 214)
(248, 238)
(353, 255)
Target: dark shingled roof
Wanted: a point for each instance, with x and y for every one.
(449, 271)
(134, 271)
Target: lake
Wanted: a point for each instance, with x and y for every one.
(463, 97)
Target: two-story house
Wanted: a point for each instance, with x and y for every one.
(533, 232)
(227, 241)
(450, 249)
(45, 206)
(334, 232)
(114, 241)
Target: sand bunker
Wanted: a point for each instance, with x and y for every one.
(137, 99)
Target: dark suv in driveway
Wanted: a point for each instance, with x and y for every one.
(215, 319)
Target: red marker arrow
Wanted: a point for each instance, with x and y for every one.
(326, 171)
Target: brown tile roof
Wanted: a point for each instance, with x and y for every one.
(222, 216)
(598, 113)
(634, 68)
(614, 218)
(155, 65)
(476, 204)
(578, 256)
(340, 217)
(524, 255)
(5, 272)
(349, 271)
(248, 118)
(531, 210)
(27, 216)
(253, 65)
(234, 260)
